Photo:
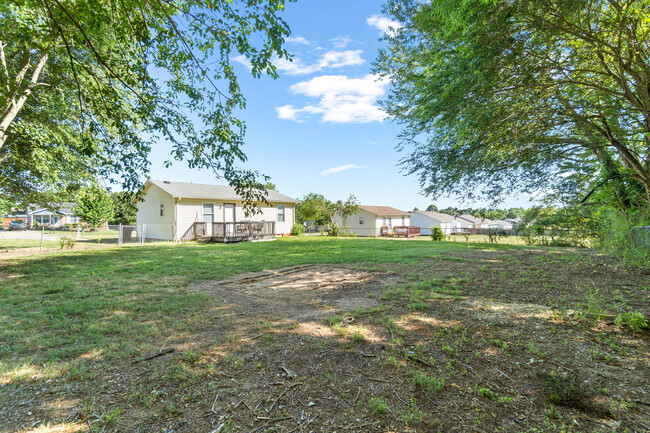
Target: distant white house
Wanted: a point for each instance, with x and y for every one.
(170, 209)
(476, 222)
(54, 216)
(370, 219)
(429, 219)
(454, 224)
(496, 224)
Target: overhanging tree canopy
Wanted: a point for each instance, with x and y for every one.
(87, 88)
(523, 95)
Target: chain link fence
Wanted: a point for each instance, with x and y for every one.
(143, 233)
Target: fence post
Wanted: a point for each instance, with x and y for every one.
(119, 235)
(42, 235)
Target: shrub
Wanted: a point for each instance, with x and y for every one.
(335, 230)
(297, 229)
(66, 241)
(437, 234)
(621, 236)
(568, 226)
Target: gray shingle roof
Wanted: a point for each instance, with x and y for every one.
(471, 218)
(62, 208)
(442, 217)
(215, 192)
(384, 211)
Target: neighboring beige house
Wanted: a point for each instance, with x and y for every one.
(370, 219)
(169, 209)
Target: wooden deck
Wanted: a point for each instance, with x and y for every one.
(405, 231)
(230, 232)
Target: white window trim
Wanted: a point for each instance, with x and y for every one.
(203, 210)
(284, 213)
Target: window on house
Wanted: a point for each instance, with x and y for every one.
(390, 222)
(42, 219)
(383, 221)
(162, 209)
(281, 214)
(403, 221)
(208, 213)
(361, 220)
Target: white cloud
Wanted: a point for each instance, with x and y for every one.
(297, 40)
(243, 60)
(339, 169)
(341, 42)
(341, 99)
(329, 59)
(383, 24)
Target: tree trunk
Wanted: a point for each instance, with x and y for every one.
(15, 103)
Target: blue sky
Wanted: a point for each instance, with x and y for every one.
(318, 127)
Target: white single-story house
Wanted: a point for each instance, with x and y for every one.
(54, 216)
(429, 219)
(476, 222)
(370, 219)
(170, 209)
(496, 224)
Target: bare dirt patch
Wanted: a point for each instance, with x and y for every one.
(299, 292)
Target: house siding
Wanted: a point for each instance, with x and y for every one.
(148, 212)
(190, 211)
(425, 223)
(181, 213)
(371, 223)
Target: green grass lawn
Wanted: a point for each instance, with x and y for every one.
(100, 236)
(13, 244)
(72, 322)
(58, 306)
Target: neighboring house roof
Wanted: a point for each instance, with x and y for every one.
(442, 217)
(384, 211)
(215, 192)
(473, 219)
(502, 222)
(60, 208)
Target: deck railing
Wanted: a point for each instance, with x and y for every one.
(196, 231)
(405, 231)
(242, 231)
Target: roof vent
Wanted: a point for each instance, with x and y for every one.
(166, 181)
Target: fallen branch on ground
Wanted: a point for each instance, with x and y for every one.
(155, 355)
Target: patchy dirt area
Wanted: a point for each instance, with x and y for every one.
(507, 340)
(299, 293)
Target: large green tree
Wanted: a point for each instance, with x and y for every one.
(311, 208)
(87, 88)
(124, 212)
(94, 205)
(322, 211)
(503, 96)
